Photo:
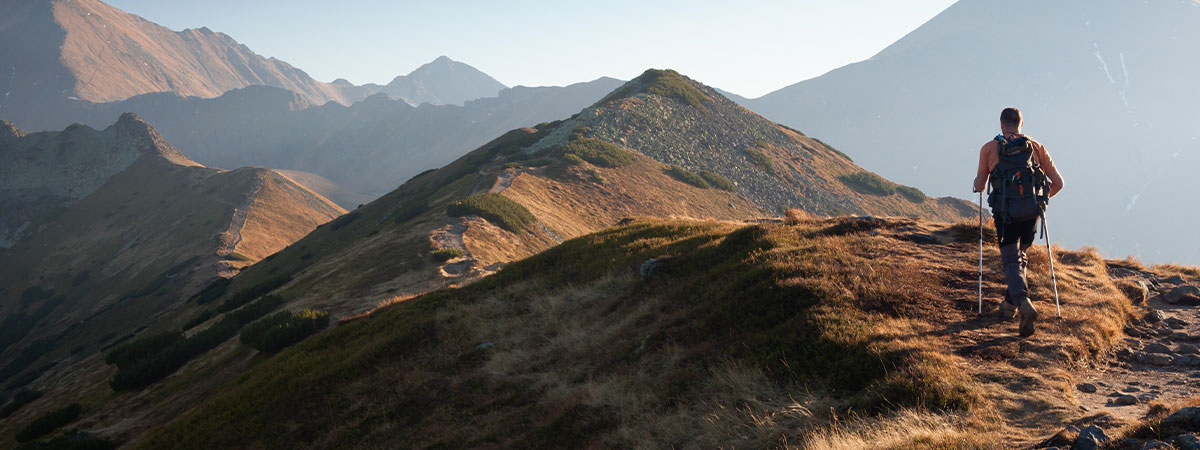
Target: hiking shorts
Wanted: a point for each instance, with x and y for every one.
(1020, 232)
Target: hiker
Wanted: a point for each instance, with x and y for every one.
(1022, 178)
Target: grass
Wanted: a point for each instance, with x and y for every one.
(49, 422)
(597, 152)
(18, 401)
(495, 208)
(685, 176)
(868, 183)
(760, 159)
(595, 176)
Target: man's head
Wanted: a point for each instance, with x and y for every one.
(1010, 120)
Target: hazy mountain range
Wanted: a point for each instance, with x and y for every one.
(1108, 87)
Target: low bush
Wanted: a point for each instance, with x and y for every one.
(29, 355)
(911, 193)
(128, 353)
(598, 152)
(718, 181)
(759, 158)
(830, 147)
(283, 329)
(596, 177)
(198, 319)
(868, 183)
(20, 399)
(495, 208)
(251, 293)
(686, 176)
(669, 83)
(212, 291)
(150, 368)
(49, 422)
(445, 254)
(572, 159)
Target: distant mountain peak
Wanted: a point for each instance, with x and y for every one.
(147, 140)
(444, 81)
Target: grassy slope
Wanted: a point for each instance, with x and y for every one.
(748, 336)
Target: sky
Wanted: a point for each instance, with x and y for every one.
(749, 48)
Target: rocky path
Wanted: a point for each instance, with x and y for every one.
(1160, 361)
(451, 235)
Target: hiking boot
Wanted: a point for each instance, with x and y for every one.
(1029, 317)
(1007, 310)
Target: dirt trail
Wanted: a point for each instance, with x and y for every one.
(1160, 360)
(232, 236)
(451, 235)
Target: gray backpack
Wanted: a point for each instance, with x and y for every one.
(1018, 188)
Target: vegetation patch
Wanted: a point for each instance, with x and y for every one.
(598, 152)
(911, 193)
(669, 83)
(212, 291)
(868, 183)
(159, 356)
(595, 176)
(760, 159)
(410, 210)
(686, 176)
(830, 147)
(29, 355)
(49, 422)
(495, 208)
(18, 324)
(445, 254)
(253, 292)
(718, 181)
(19, 400)
(283, 329)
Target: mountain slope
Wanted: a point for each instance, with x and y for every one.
(1107, 86)
(520, 194)
(115, 226)
(367, 149)
(627, 338)
(89, 50)
(441, 82)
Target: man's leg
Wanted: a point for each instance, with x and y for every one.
(1024, 231)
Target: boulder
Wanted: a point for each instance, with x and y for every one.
(1156, 445)
(1086, 387)
(1158, 360)
(1186, 441)
(1155, 347)
(1187, 349)
(1125, 400)
(1090, 438)
(1154, 316)
(1063, 439)
(1136, 291)
(1183, 294)
(1185, 419)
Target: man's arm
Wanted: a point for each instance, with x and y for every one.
(981, 174)
(1056, 179)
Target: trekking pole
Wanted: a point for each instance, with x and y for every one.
(981, 252)
(1050, 253)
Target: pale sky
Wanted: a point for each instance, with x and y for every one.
(749, 48)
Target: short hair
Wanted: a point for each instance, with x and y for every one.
(1010, 116)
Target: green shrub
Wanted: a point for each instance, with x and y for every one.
(717, 181)
(49, 422)
(283, 329)
(830, 147)
(198, 319)
(669, 83)
(150, 368)
(868, 183)
(761, 144)
(495, 208)
(685, 176)
(911, 193)
(246, 295)
(18, 324)
(512, 165)
(446, 254)
(29, 355)
(125, 354)
(598, 152)
(759, 158)
(410, 210)
(235, 256)
(19, 400)
(212, 291)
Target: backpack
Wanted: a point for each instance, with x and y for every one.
(1018, 188)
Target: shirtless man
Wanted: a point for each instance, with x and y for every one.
(1015, 236)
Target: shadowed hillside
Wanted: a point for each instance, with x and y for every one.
(107, 231)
